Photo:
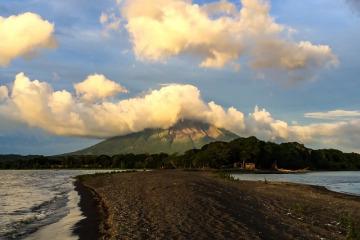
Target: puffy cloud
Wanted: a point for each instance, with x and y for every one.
(333, 115)
(36, 104)
(24, 35)
(260, 123)
(3, 93)
(96, 87)
(59, 112)
(219, 35)
(292, 56)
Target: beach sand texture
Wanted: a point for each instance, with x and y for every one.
(175, 204)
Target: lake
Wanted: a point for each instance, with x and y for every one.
(36, 202)
(343, 181)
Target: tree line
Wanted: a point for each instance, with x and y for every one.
(264, 155)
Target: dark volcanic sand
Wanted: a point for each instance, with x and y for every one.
(91, 227)
(174, 204)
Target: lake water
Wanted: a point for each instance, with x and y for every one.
(343, 182)
(34, 203)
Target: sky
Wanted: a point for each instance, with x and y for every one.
(75, 72)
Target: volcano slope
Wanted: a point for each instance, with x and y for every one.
(184, 135)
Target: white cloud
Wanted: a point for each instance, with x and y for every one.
(3, 93)
(96, 87)
(23, 35)
(334, 115)
(260, 123)
(59, 112)
(219, 35)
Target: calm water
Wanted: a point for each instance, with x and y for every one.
(344, 182)
(35, 203)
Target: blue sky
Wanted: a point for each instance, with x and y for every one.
(83, 50)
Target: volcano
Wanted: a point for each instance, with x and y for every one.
(183, 136)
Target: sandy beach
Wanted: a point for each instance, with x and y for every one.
(175, 204)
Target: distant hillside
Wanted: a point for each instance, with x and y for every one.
(184, 135)
(268, 155)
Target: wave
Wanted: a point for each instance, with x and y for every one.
(35, 217)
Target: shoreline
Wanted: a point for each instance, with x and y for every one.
(327, 179)
(103, 220)
(94, 212)
(63, 228)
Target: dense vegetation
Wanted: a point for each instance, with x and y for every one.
(265, 155)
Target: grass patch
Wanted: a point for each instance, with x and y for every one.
(352, 227)
(226, 175)
(299, 209)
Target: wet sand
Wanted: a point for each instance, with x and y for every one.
(175, 204)
(93, 225)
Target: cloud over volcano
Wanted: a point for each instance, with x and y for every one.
(37, 104)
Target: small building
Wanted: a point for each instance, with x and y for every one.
(244, 165)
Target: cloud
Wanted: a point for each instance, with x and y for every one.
(343, 135)
(3, 93)
(24, 35)
(110, 21)
(260, 123)
(37, 104)
(96, 87)
(354, 4)
(334, 115)
(61, 113)
(221, 7)
(219, 35)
